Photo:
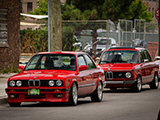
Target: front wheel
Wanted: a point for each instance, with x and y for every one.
(98, 93)
(137, 86)
(73, 95)
(155, 83)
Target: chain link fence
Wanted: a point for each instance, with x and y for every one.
(93, 36)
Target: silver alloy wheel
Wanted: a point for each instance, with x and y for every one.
(156, 81)
(99, 90)
(74, 94)
(139, 84)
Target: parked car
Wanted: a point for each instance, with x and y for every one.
(56, 77)
(102, 44)
(157, 60)
(129, 67)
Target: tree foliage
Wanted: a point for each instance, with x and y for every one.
(42, 8)
(95, 10)
(33, 41)
(108, 9)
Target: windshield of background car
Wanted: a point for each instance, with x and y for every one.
(52, 61)
(119, 56)
(103, 42)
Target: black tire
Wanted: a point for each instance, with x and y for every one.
(73, 95)
(14, 104)
(137, 86)
(98, 93)
(155, 83)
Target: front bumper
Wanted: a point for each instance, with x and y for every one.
(122, 83)
(46, 95)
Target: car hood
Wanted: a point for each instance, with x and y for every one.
(119, 66)
(43, 74)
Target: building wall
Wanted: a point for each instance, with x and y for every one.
(9, 55)
(24, 5)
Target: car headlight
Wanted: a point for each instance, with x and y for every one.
(12, 83)
(19, 83)
(51, 83)
(128, 75)
(59, 82)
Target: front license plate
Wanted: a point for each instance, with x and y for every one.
(33, 92)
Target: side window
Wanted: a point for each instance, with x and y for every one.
(147, 55)
(81, 60)
(142, 56)
(90, 63)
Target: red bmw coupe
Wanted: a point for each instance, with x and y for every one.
(57, 77)
(129, 67)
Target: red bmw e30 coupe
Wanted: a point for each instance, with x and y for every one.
(129, 67)
(57, 77)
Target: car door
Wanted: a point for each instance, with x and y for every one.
(150, 66)
(92, 69)
(84, 77)
(143, 66)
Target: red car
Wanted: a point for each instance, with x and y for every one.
(57, 77)
(129, 67)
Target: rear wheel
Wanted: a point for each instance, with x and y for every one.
(137, 87)
(73, 95)
(14, 104)
(155, 83)
(98, 93)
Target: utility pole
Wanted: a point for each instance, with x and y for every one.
(54, 25)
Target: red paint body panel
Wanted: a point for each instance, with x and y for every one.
(117, 70)
(86, 82)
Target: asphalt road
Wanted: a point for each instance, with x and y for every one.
(122, 104)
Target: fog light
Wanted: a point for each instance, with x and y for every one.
(59, 95)
(12, 96)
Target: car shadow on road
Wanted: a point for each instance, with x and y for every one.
(49, 104)
(124, 90)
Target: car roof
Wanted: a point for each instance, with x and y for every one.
(62, 52)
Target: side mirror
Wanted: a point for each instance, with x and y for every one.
(21, 68)
(82, 67)
(146, 60)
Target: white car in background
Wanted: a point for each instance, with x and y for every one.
(102, 43)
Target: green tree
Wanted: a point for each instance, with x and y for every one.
(96, 10)
(42, 9)
(109, 9)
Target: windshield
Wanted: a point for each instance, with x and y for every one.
(52, 61)
(120, 56)
(103, 42)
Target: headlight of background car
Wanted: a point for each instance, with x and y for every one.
(128, 75)
(19, 83)
(51, 83)
(12, 83)
(59, 82)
